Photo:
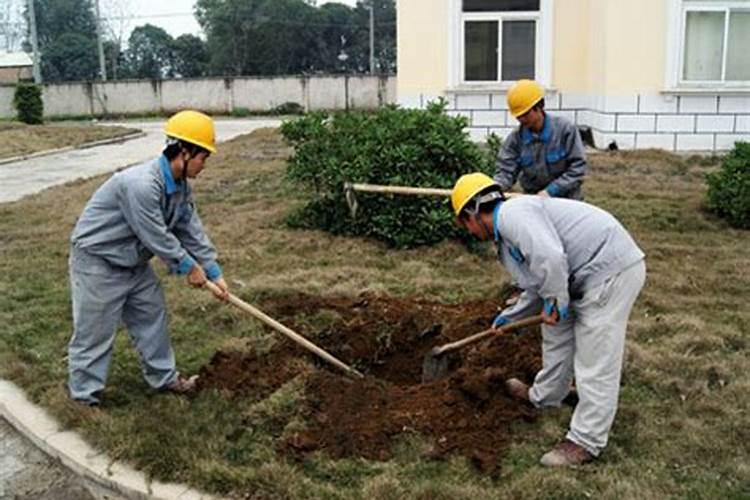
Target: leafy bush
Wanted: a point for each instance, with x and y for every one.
(394, 146)
(729, 188)
(28, 102)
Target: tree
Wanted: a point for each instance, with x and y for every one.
(66, 31)
(190, 57)
(272, 37)
(150, 53)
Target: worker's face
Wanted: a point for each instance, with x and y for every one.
(533, 119)
(474, 226)
(196, 163)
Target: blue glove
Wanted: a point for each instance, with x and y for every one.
(550, 306)
(499, 321)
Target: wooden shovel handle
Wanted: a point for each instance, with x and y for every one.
(289, 333)
(376, 188)
(530, 321)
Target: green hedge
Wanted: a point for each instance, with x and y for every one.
(729, 188)
(393, 146)
(28, 103)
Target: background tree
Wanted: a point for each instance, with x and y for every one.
(150, 53)
(66, 31)
(190, 56)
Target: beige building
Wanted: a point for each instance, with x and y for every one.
(670, 74)
(15, 67)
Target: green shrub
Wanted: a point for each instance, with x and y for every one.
(28, 102)
(729, 188)
(289, 108)
(393, 146)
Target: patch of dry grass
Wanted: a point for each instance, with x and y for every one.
(17, 139)
(683, 428)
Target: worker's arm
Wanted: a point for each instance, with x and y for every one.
(529, 303)
(140, 203)
(572, 178)
(506, 165)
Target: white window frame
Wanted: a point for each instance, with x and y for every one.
(542, 52)
(677, 12)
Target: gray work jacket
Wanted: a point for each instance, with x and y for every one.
(553, 160)
(556, 248)
(141, 212)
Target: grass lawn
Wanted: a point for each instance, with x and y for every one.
(18, 139)
(683, 427)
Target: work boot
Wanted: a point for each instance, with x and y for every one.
(182, 385)
(566, 454)
(517, 389)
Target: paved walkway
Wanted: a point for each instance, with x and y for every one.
(25, 177)
(25, 471)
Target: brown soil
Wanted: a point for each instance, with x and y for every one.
(467, 412)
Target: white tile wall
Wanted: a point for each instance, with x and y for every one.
(478, 134)
(604, 122)
(552, 100)
(620, 104)
(472, 101)
(487, 118)
(624, 141)
(502, 131)
(715, 123)
(569, 114)
(675, 123)
(726, 142)
(410, 101)
(499, 101)
(636, 123)
(734, 104)
(455, 113)
(695, 142)
(658, 104)
(575, 101)
(697, 104)
(743, 123)
(659, 141)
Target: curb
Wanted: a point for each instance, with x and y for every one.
(74, 453)
(48, 152)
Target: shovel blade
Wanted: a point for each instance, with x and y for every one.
(434, 367)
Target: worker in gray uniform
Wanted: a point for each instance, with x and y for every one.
(139, 212)
(582, 270)
(545, 153)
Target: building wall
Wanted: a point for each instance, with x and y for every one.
(217, 95)
(608, 73)
(15, 74)
(422, 50)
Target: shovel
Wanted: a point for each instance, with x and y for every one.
(435, 364)
(292, 335)
(350, 190)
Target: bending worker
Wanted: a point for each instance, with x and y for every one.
(583, 271)
(545, 153)
(139, 212)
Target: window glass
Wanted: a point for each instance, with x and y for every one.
(519, 48)
(704, 45)
(481, 39)
(738, 46)
(500, 5)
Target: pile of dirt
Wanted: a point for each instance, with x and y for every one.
(467, 412)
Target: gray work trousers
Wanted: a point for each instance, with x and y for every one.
(589, 345)
(103, 296)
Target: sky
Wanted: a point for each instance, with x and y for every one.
(175, 16)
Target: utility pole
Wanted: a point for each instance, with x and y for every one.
(372, 39)
(34, 43)
(102, 65)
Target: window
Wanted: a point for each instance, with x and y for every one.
(500, 40)
(715, 39)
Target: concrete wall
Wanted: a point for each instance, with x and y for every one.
(14, 74)
(217, 95)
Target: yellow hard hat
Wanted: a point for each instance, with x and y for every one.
(467, 187)
(193, 127)
(523, 95)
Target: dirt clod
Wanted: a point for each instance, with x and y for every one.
(467, 412)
